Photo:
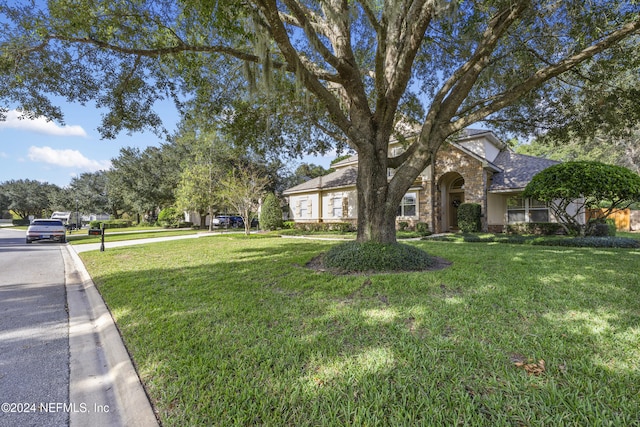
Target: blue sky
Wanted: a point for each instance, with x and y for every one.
(48, 152)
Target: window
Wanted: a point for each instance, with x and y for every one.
(337, 207)
(516, 210)
(526, 210)
(304, 211)
(458, 184)
(538, 211)
(409, 205)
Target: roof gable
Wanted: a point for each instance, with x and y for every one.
(517, 170)
(343, 177)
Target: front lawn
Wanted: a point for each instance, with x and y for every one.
(230, 330)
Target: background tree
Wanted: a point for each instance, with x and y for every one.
(29, 197)
(303, 173)
(572, 188)
(354, 69)
(242, 189)
(91, 191)
(145, 179)
(4, 205)
(199, 183)
(270, 213)
(602, 101)
(621, 150)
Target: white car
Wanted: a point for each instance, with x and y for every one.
(47, 229)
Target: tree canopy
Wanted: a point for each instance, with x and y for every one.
(26, 197)
(621, 150)
(573, 187)
(358, 72)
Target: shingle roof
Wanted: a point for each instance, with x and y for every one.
(343, 177)
(517, 170)
(344, 162)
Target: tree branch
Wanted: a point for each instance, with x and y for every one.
(309, 79)
(539, 77)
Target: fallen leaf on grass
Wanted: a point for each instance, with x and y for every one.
(533, 368)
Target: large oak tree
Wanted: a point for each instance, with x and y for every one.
(439, 66)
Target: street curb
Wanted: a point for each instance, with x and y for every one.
(104, 387)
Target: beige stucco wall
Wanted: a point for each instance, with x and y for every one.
(497, 209)
(350, 203)
(311, 200)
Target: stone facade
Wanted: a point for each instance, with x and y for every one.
(452, 164)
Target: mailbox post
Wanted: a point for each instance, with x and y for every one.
(98, 232)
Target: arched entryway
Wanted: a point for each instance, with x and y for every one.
(452, 196)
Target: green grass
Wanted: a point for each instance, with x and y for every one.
(235, 331)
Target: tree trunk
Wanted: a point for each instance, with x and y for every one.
(376, 210)
(203, 219)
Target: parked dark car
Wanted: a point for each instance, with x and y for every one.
(231, 221)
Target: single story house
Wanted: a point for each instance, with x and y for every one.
(476, 168)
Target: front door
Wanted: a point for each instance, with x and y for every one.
(456, 199)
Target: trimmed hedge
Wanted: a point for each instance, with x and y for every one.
(590, 242)
(271, 213)
(112, 223)
(21, 221)
(354, 257)
(343, 227)
(606, 228)
(574, 242)
(537, 228)
(469, 217)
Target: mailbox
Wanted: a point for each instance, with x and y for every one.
(95, 232)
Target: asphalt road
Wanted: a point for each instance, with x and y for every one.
(34, 339)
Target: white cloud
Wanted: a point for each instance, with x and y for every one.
(40, 125)
(67, 158)
(3, 155)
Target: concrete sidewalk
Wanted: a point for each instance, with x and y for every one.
(102, 375)
(107, 244)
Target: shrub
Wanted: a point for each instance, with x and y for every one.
(469, 217)
(602, 227)
(403, 225)
(589, 242)
(170, 217)
(539, 228)
(112, 223)
(370, 256)
(423, 228)
(575, 242)
(585, 184)
(343, 227)
(271, 213)
(21, 221)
